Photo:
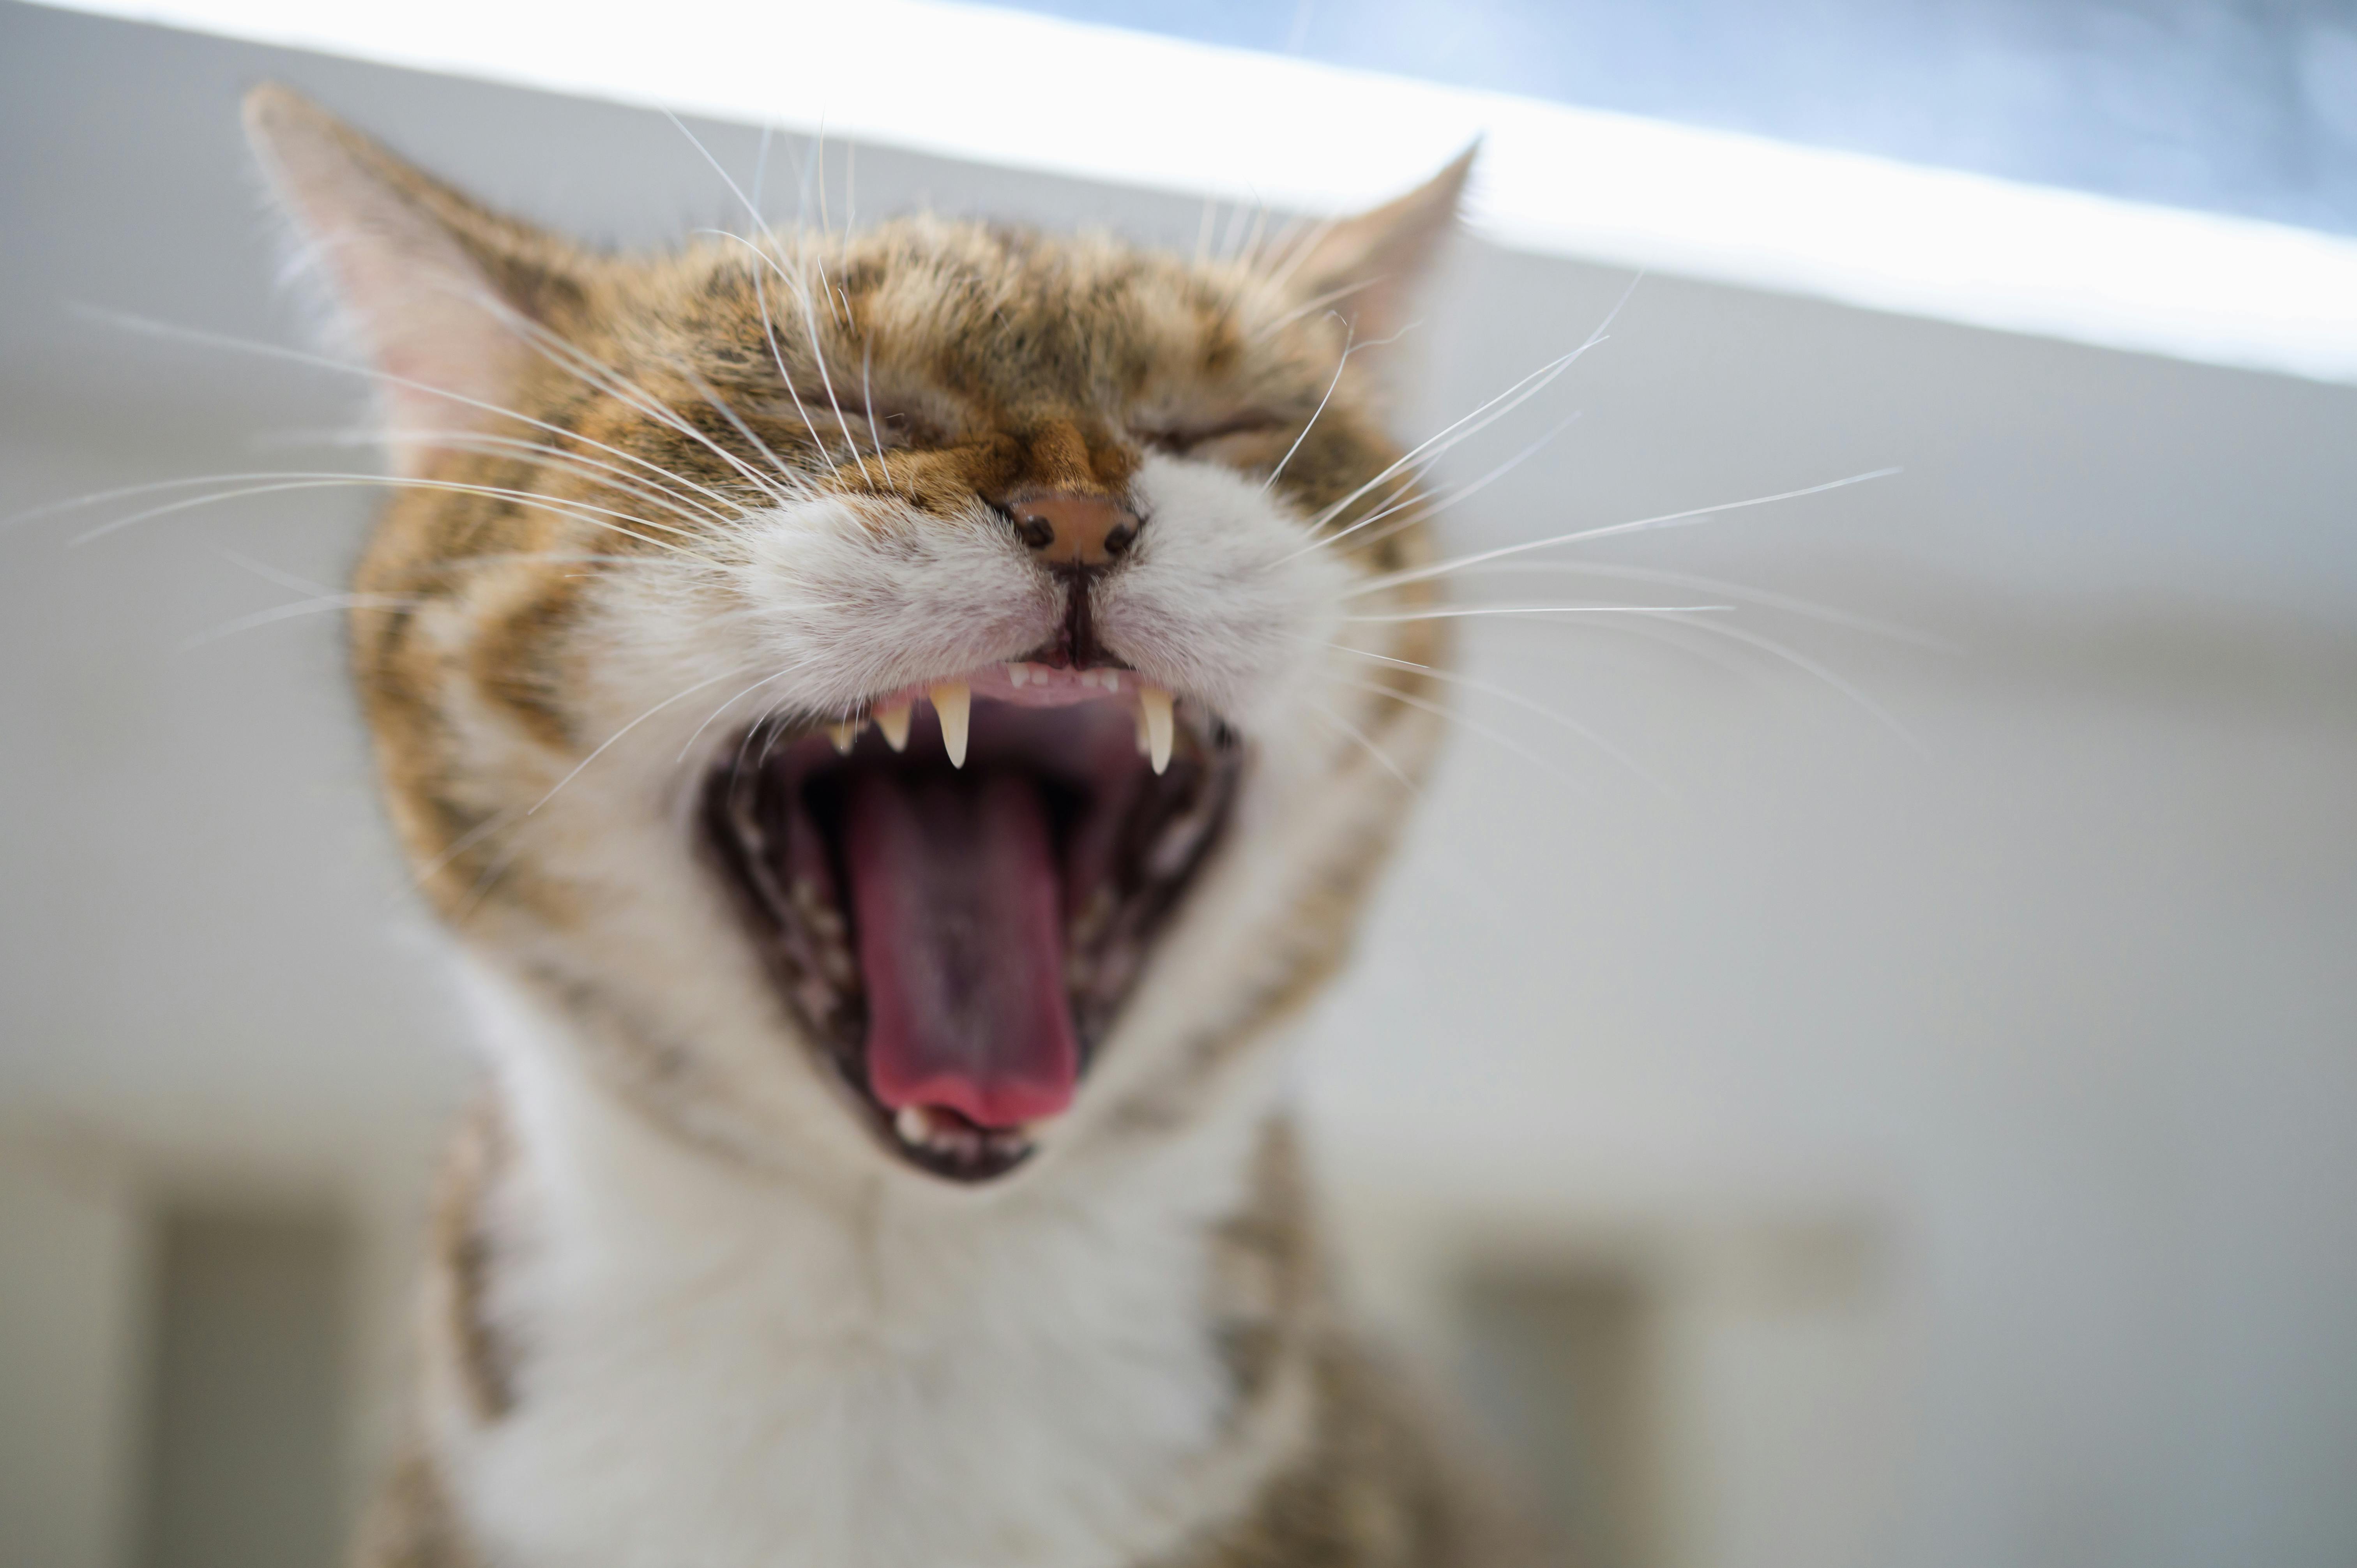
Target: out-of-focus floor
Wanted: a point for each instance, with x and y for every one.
(1810, 1146)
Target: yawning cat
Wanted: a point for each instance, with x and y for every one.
(899, 723)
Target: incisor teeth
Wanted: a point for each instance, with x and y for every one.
(953, 701)
(1153, 712)
(843, 735)
(894, 722)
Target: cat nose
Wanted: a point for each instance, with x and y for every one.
(1075, 531)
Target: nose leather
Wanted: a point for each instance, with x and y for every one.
(1075, 531)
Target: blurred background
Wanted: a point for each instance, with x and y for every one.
(1890, 1102)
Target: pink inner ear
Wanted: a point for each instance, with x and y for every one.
(430, 321)
(1379, 257)
(424, 310)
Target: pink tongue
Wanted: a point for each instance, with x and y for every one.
(953, 891)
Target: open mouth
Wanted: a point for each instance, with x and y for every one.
(956, 891)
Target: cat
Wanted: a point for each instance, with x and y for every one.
(899, 723)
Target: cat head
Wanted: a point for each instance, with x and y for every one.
(927, 699)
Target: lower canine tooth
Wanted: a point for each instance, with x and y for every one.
(1154, 714)
(953, 702)
(913, 1125)
(894, 722)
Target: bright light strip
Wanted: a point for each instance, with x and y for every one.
(1133, 109)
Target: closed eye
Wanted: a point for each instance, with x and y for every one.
(880, 425)
(1182, 438)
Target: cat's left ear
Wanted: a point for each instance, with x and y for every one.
(442, 293)
(1371, 264)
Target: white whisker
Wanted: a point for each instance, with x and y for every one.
(1438, 710)
(1340, 365)
(578, 511)
(617, 734)
(1377, 752)
(1479, 612)
(1830, 615)
(296, 356)
(1489, 688)
(1669, 518)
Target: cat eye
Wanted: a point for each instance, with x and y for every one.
(1183, 438)
(882, 424)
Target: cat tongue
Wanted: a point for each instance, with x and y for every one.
(954, 891)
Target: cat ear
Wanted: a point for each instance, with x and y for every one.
(1371, 264)
(431, 281)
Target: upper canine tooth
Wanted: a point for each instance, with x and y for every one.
(1154, 711)
(894, 722)
(844, 733)
(953, 701)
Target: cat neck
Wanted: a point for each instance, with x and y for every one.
(1032, 1375)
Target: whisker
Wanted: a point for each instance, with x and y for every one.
(1423, 456)
(1351, 730)
(321, 361)
(867, 396)
(770, 334)
(1340, 365)
(1462, 492)
(578, 511)
(1441, 569)
(1830, 615)
(617, 734)
(1438, 710)
(721, 405)
(320, 606)
(1429, 451)
(1289, 260)
(543, 455)
(1332, 297)
(1489, 688)
(818, 352)
(809, 316)
(615, 384)
(1477, 612)
(1874, 709)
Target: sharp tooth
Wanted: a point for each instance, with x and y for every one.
(844, 733)
(894, 722)
(1138, 714)
(953, 701)
(1153, 712)
(913, 1125)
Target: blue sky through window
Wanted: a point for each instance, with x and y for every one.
(2247, 108)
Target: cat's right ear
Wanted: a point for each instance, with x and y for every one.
(441, 292)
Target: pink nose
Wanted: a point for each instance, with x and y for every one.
(1074, 530)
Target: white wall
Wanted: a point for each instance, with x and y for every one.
(73, 1275)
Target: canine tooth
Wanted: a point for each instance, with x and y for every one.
(894, 722)
(843, 735)
(953, 702)
(913, 1125)
(1153, 712)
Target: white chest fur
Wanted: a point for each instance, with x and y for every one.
(715, 1369)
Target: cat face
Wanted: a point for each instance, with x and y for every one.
(923, 699)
